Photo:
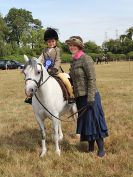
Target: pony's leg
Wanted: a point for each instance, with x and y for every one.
(43, 135)
(60, 131)
(56, 134)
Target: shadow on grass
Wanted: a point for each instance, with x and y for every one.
(66, 146)
(29, 139)
(21, 140)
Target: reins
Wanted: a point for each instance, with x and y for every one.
(44, 81)
(82, 109)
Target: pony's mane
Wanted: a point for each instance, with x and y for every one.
(32, 63)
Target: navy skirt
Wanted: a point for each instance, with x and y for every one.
(91, 124)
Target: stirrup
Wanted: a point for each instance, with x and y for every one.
(71, 100)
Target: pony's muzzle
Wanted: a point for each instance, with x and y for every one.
(30, 92)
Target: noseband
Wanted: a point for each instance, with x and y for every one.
(39, 84)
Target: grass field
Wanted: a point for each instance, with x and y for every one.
(20, 139)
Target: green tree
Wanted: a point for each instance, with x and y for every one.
(3, 29)
(19, 21)
(130, 33)
(91, 47)
(123, 37)
(33, 40)
(5, 49)
(64, 48)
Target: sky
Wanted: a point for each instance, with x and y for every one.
(95, 20)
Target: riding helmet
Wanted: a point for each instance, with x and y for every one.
(50, 33)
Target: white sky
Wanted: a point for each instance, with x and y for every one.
(93, 20)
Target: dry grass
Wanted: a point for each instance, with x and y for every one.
(20, 138)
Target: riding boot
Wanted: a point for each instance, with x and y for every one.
(28, 100)
(91, 145)
(100, 144)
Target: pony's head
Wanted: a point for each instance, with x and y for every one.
(33, 72)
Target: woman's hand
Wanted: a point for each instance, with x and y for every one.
(90, 104)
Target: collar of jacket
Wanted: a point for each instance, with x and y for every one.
(78, 55)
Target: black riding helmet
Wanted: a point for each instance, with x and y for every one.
(50, 33)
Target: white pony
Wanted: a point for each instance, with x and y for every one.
(43, 87)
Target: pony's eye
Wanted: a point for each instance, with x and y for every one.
(38, 72)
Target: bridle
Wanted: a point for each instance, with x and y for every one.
(39, 84)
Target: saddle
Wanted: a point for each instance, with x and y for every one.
(63, 87)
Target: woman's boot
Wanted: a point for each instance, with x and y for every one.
(100, 144)
(91, 146)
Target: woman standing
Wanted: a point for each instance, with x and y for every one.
(91, 123)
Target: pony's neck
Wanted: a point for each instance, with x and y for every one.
(45, 75)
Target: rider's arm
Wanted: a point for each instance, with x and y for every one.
(57, 58)
(41, 58)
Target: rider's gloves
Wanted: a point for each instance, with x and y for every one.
(52, 71)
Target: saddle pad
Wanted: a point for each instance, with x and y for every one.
(63, 87)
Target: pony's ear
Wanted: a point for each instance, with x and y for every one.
(26, 58)
(39, 60)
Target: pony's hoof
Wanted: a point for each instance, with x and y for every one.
(58, 152)
(42, 154)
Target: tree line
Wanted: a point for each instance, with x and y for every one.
(21, 34)
(122, 46)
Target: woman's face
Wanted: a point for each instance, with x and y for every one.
(73, 49)
(51, 43)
